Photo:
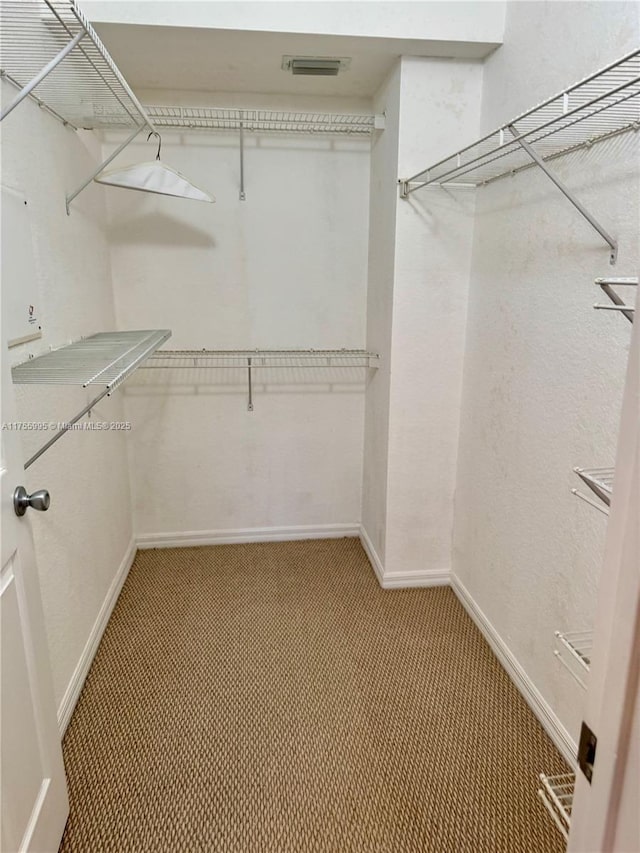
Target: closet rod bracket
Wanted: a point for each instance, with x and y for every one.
(242, 194)
(250, 386)
(612, 242)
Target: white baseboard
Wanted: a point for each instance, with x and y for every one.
(400, 580)
(405, 580)
(372, 554)
(532, 696)
(81, 671)
(189, 538)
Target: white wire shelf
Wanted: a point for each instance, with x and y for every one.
(105, 359)
(183, 359)
(188, 363)
(600, 106)
(86, 89)
(262, 120)
(607, 286)
(574, 650)
(556, 793)
(102, 360)
(600, 481)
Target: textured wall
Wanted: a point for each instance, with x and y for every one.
(439, 103)
(419, 255)
(543, 371)
(382, 229)
(81, 541)
(285, 268)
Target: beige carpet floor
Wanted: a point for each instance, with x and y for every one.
(272, 697)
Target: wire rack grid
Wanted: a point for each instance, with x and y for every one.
(602, 105)
(556, 793)
(86, 90)
(262, 120)
(105, 359)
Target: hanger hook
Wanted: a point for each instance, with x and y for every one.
(155, 133)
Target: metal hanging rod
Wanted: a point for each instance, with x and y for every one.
(607, 285)
(263, 120)
(574, 652)
(556, 793)
(251, 360)
(600, 106)
(106, 359)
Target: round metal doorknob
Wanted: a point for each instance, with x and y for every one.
(39, 500)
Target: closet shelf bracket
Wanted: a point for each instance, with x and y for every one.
(243, 195)
(611, 241)
(607, 285)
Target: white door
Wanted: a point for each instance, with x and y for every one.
(606, 813)
(33, 792)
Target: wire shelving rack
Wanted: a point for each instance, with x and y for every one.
(556, 793)
(263, 120)
(189, 363)
(600, 106)
(262, 358)
(85, 88)
(574, 650)
(600, 481)
(104, 360)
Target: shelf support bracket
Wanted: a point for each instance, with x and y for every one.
(250, 405)
(613, 244)
(102, 166)
(243, 195)
(28, 89)
(618, 302)
(67, 426)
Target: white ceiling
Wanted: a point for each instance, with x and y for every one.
(200, 59)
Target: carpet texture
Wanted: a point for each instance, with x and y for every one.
(271, 697)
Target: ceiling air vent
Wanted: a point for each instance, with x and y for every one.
(316, 66)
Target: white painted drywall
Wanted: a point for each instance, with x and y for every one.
(81, 541)
(285, 268)
(381, 266)
(439, 103)
(420, 251)
(543, 371)
(445, 21)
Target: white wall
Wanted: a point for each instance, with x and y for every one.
(437, 21)
(82, 540)
(382, 238)
(439, 103)
(420, 250)
(543, 370)
(285, 268)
